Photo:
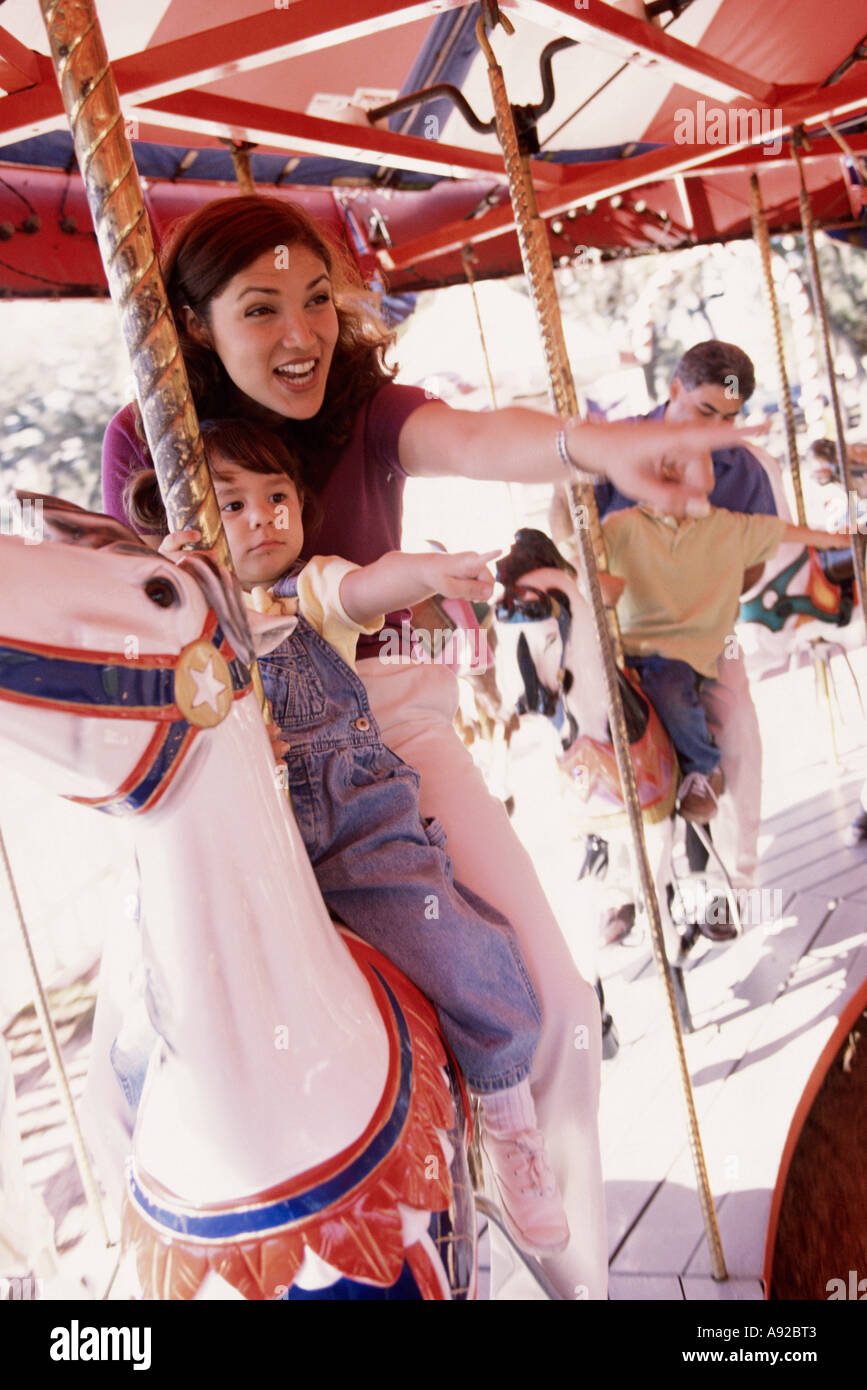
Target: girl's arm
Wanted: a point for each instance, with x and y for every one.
(520, 446)
(399, 581)
(820, 540)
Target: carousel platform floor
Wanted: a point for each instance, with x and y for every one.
(764, 1008)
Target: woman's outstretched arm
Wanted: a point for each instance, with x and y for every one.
(520, 446)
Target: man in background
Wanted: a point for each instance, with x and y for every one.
(714, 381)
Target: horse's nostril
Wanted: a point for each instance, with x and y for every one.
(162, 592)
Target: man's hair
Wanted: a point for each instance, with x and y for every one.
(714, 364)
(824, 450)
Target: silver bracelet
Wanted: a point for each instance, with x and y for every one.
(578, 475)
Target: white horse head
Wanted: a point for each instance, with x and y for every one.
(548, 628)
(293, 1105)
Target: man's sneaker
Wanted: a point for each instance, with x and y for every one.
(527, 1189)
(618, 923)
(856, 834)
(698, 796)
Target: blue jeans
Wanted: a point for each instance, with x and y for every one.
(384, 871)
(673, 688)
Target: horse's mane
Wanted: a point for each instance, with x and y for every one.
(531, 550)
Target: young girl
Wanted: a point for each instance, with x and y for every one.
(382, 870)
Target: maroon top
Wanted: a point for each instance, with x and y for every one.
(362, 502)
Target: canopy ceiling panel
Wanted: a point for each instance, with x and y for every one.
(659, 115)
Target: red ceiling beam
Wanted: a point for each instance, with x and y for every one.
(20, 67)
(603, 180)
(205, 113)
(756, 160)
(209, 56)
(686, 63)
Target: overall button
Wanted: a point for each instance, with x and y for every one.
(362, 724)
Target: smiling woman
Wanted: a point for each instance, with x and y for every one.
(274, 328)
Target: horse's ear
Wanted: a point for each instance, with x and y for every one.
(250, 634)
(55, 519)
(563, 599)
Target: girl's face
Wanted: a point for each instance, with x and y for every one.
(261, 513)
(275, 327)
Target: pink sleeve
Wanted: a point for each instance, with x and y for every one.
(123, 453)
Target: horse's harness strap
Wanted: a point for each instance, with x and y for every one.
(181, 692)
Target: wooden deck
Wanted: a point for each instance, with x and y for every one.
(764, 1008)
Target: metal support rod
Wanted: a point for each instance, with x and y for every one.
(819, 310)
(55, 1059)
(241, 163)
(763, 241)
(126, 244)
(467, 257)
(539, 269)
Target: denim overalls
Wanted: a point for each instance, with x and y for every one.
(384, 872)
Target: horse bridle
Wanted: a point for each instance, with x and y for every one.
(164, 689)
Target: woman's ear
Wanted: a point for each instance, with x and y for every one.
(195, 328)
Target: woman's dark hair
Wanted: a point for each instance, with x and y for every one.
(243, 442)
(714, 363)
(206, 250)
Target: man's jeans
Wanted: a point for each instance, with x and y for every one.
(673, 689)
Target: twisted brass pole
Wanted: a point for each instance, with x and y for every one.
(858, 541)
(763, 241)
(126, 244)
(539, 269)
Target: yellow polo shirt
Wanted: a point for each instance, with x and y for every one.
(683, 579)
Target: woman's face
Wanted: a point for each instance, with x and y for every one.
(275, 327)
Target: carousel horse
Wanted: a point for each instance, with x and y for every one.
(554, 646)
(301, 1132)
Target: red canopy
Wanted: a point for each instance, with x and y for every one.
(654, 128)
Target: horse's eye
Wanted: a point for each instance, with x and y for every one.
(161, 592)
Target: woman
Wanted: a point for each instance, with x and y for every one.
(272, 327)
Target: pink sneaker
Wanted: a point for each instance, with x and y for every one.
(527, 1189)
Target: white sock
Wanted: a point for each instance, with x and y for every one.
(509, 1112)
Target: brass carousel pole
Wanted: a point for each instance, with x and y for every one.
(539, 269)
(821, 316)
(126, 244)
(763, 241)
